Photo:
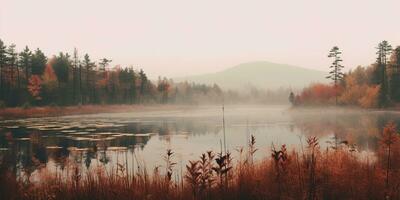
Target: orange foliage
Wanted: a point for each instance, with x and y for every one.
(370, 98)
(103, 82)
(49, 77)
(318, 94)
(49, 74)
(34, 86)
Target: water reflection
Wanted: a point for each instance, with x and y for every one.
(140, 139)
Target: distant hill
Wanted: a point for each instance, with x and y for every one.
(261, 74)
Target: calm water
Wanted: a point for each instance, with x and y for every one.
(140, 139)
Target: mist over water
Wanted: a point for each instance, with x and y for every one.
(140, 139)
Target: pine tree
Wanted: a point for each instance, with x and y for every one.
(3, 63)
(143, 84)
(132, 85)
(25, 61)
(75, 67)
(88, 65)
(103, 64)
(61, 65)
(394, 80)
(335, 74)
(12, 63)
(39, 61)
(384, 49)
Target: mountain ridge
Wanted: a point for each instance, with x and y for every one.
(260, 74)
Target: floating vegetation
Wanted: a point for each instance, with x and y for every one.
(142, 135)
(116, 148)
(95, 139)
(12, 127)
(109, 138)
(53, 147)
(22, 139)
(78, 133)
(118, 135)
(128, 134)
(105, 133)
(68, 131)
(77, 149)
(118, 125)
(80, 138)
(103, 125)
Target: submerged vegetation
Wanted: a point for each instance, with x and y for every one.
(315, 171)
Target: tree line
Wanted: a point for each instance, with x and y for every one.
(30, 77)
(376, 85)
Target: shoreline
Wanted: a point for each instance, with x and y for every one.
(56, 111)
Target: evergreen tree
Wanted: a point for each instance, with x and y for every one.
(335, 74)
(103, 64)
(75, 67)
(384, 49)
(143, 84)
(394, 80)
(12, 76)
(39, 61)
(25, 61)
(88, 65)
(61, 65)
(63, 78)
(3, 63)
(132, 85)
(12, 64)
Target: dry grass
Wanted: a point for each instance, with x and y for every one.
(313, 173)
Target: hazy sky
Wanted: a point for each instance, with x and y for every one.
(182, 37)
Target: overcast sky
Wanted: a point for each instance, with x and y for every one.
(183, 37)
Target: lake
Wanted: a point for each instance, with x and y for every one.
(140, 139)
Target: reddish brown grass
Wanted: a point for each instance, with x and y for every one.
(313, 174)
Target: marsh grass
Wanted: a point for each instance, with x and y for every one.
(313, 173)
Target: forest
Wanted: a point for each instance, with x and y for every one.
(30, 78)
(373, 86)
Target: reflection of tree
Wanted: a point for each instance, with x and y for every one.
(61, 157)
(348, 128)
(104, 159)
(91, 154)
(25, 156)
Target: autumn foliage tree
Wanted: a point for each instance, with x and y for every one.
(318, 94)
(31, 77)
(35, 86)
(377, 85)
(49, 82)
